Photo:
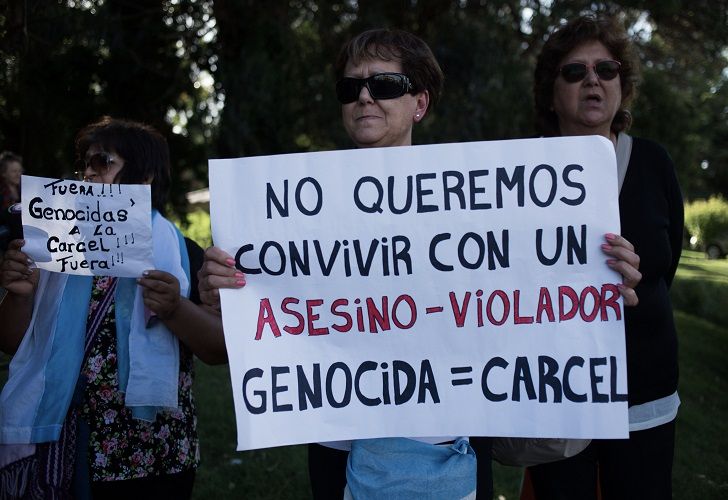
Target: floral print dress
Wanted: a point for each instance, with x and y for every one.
(121, 447)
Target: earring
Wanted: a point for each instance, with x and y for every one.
(417, 115)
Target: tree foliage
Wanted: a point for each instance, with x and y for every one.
(65, 63)
(68, 63)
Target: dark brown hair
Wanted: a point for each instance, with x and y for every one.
(144, 150)
(417, 60)
(565, 39)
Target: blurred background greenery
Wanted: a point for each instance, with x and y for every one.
(229, 78)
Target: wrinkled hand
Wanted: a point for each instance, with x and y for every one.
(626, 262)
(217, 271)
(160, 293)
(16, 274)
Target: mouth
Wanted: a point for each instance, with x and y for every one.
(593, 98)
(366, 117)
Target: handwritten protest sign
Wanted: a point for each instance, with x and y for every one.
(439, 290)
(86, 228)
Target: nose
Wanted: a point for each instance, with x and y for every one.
(364, 95)
(591, 77)
(88, 173)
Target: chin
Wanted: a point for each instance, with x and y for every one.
(366, 140)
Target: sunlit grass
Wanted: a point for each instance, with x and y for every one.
(701, 287)
(694, 266)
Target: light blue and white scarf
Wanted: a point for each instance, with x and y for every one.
(405, 469)
(44, 371)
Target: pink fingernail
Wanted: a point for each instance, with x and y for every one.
(610, 236)
(606, 246)
(240, 282)
(230, 262)
(239, 275)
(611, 262)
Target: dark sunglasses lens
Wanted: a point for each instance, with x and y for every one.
(387, 86)
(607, 70)
(99, 162)
(347, 90)
(574, 72)
(382, 86)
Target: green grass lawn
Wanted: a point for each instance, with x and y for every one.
(701, 463)
(701, 287)
(694, 266)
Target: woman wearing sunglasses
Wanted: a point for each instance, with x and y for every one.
(584, 80)
(99, 397)
(387, 81)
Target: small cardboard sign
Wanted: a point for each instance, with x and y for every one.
(87, 228)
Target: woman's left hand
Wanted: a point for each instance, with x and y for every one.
(626, 262)
(161, 293)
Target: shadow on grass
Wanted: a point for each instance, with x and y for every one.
(701, 465)
(705, 299)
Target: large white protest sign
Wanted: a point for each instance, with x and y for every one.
(439, 290)
(86, 228)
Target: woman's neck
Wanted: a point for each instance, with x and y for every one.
(608, 134)
(613, 137)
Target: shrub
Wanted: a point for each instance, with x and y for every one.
(707, 220)
(198, 228)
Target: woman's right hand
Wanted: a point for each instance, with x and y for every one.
(217, 271)
(16, 275)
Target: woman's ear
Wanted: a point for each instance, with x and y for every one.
(422, 102)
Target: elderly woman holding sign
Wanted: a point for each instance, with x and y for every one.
(584, 80)
(85, 410)
(387, 82)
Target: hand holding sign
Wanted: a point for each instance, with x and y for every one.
(626, 262)
(90, 229)
(16, 275)
(161, 293)
(218, 271)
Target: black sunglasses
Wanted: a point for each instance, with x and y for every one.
(380, 86)
(98, 162)
(576, 72)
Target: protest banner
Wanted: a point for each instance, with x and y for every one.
(438, 290)
(87, 228)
